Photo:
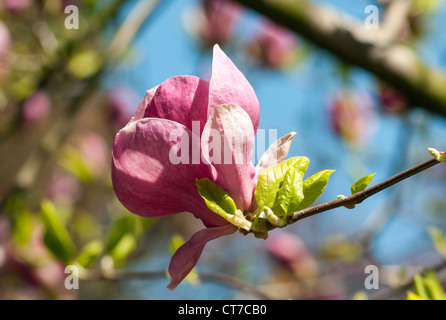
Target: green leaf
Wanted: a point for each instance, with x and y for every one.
(56, 236)
(270, 180)
(428, 287)
(362, 183)
(23, 226)
(125, 246)
(433, 286)
(413, 296)
(89, 253)
(313, 187)
(420, 290)
(217, 199)
(360, 295)
(439, 240)
(84, 64)
(290, 194)
(123, 236)
(73, 162)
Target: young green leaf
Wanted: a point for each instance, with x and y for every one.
(433, 286)
(420, 290)
(217, 199)
(270, 180)
(439, 240)
(290, 194)
(413, 296)
(56, 236)
(362, 183)
(313, 187)
(89, 253)
(126, 244)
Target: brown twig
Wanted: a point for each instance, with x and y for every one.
(357, 198)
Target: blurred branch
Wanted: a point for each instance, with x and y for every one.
(93, 275)
(397, 12)
(59, 131)
(130, 27)
(351, 42)
(60, 57)
(391, 292)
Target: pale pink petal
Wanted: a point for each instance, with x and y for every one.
(144, 177)
(229, 85)
(276, 153)
(186, 257)
(141, 109)
(182, 99)
(227, 142)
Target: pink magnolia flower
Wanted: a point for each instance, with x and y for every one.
(273, 46)
(189, 109)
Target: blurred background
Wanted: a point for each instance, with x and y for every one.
(354, 95)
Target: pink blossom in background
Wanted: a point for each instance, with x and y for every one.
(63, 186)
(121, 102)
(94, 151)
(16, 5)
(215, 22)
(351, 116)
(5, 47)
(36, 108)
(29, 272)
(390, 100)
(5, 39)
(273, 46)
(291, 252)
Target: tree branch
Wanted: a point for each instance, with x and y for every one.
(96, 275)
(357, 198)
(350, 41)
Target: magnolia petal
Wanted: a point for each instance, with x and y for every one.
(229, 85)
(227, 142)
(146, 180)
(141, 109)
(186, 257)
(276, 153)
(182, 99)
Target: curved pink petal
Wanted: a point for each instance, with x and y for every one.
(141, 109)
(227, 142)
(145, 178)
(182, 99)
(229, 85)
(276, 153)
(186, 257)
